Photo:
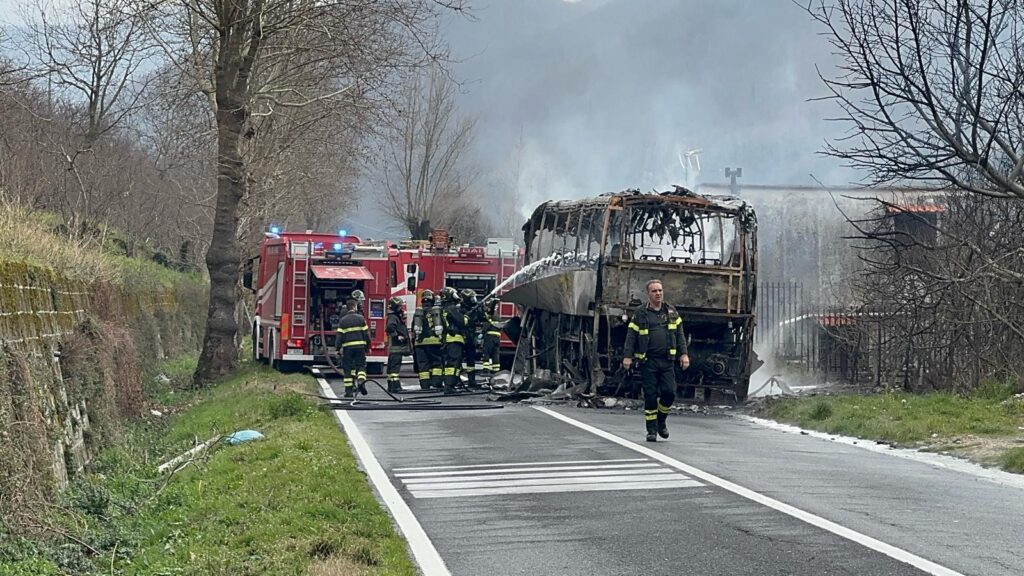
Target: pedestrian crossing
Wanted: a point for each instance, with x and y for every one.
(540, 477)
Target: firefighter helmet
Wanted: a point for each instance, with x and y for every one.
(449, 295)
(358, 295)
(396, 304)
(468, 296)
(427, 298)
(490, 305)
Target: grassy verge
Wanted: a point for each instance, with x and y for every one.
(292, 503)
(988, 428)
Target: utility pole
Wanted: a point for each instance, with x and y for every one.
(732, 175)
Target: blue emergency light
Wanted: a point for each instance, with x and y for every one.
(337, 246)
(275, 229)
(342, 232)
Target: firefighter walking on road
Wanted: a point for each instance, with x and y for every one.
(655, 340)
(399, 343)
(354, 339)
(492, 337)
(455, 323)
(428, 329)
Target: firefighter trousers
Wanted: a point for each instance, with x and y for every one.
(491, 348)
(469, 361)
(430, 365)
(353, 366)
(394, 368)
(453, 355)
(659, 384)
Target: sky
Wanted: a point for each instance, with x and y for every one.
(593, 96)
(577, 98)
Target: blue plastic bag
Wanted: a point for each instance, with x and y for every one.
(243, 436)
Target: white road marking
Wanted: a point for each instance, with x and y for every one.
(508, 465)
(812, 519)
(517, 470)
(600, 487)
(642, 472)
(607, 480)
(542, 477)
(423, 550)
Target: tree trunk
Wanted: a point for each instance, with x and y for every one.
(219, 357)
(420, 230)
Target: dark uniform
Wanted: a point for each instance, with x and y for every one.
(492, 339)
(354, 339)
(455, 323)
(655, 340)
(429, 360)
(474, 317)
(398, 345)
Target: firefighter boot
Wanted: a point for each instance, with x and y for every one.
(662, 425)
(449, 384)
(652, 431)
(361, 385)
(350, 391)
(471, 378)
(394, 385)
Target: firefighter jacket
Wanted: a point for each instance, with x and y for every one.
(491, 326)
(398, 333)
(456, 323)
(474, 320)
(658, 332)
(424, 321)
(352, 330)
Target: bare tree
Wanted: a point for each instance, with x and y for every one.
(254, 58)
(423, 168)
(931, 89)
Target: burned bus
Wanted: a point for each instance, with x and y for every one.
(587, 265)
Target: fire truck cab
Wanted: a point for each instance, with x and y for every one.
(302, 281)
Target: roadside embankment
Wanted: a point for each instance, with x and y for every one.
(80, 327)
(986, 427)
(294, 502)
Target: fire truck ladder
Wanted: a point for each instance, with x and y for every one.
(300, 286)
(508, 264)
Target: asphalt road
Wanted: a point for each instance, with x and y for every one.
(522, 490)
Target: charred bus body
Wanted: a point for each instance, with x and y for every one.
(587, 265)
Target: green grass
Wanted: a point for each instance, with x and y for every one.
(898, 418)
(293, 503)
(1013, 460)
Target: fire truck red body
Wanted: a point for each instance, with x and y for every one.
(302, 281)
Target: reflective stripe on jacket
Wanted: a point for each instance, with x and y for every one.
(638, 333)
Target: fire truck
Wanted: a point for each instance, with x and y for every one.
(440, 263)
(301, 281)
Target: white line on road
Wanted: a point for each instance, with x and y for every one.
(509, 464)
(600, 487)
(646, 471)
(423, 549)
(608, 480)
(538, 469)
(812, 519)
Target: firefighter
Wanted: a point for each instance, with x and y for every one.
(655, 339)
(353, 340)
(455, 324)
(428, 329)
(398, 342)
(474, 318)
(492, 337)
